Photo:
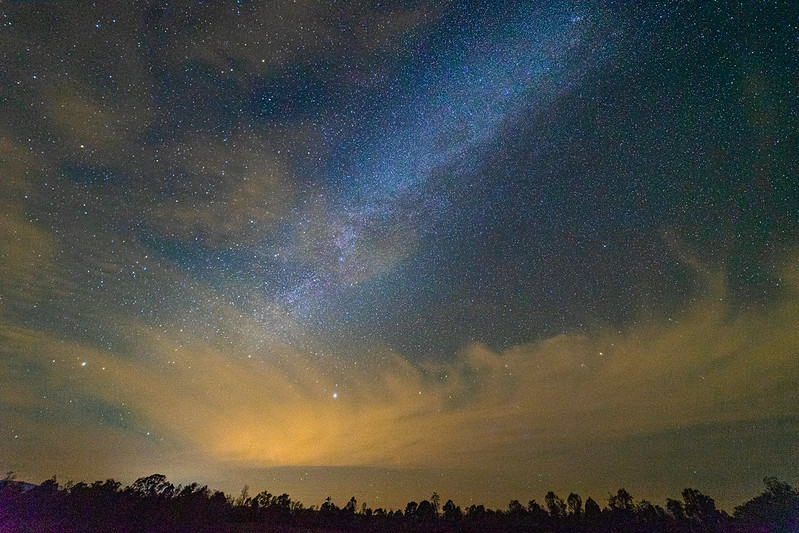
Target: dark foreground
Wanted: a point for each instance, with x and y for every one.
(154, 504)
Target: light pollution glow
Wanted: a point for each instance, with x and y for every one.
(525, 406)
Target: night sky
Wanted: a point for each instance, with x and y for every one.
(383, 249)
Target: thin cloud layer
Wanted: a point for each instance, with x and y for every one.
(278, 406)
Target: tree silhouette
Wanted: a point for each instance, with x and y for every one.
(328, 507)
(451, 511)
(575, 504)
(555, 505)
(263, 499)
(592, 509)
(244, 497)
(775, 509)
(410, 509)
(153, 486)
(621, 501)
(435, 499)
(700, 508)
(284, 501)
(676, 509)
(649, 514)
(153, 504)
(536, 512)
(475, 512)
(425, 511)
(516, 508)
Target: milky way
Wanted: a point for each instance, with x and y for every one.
(385, 249)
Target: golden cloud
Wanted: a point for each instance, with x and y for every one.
(277, 406)
(255, 403)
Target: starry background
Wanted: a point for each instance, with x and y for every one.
(386, 248)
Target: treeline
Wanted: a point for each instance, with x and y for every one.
(153, 504)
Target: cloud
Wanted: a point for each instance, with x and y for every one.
(276, 406)
(25, 248)
(94, 129)
(277, 33)
(221, 192)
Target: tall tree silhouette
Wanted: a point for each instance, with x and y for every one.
(575, 504)
(592, 509)
(700, 508)
(555, 505)
(435, 500)
(622, 500)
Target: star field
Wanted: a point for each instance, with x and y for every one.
(480, 248)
